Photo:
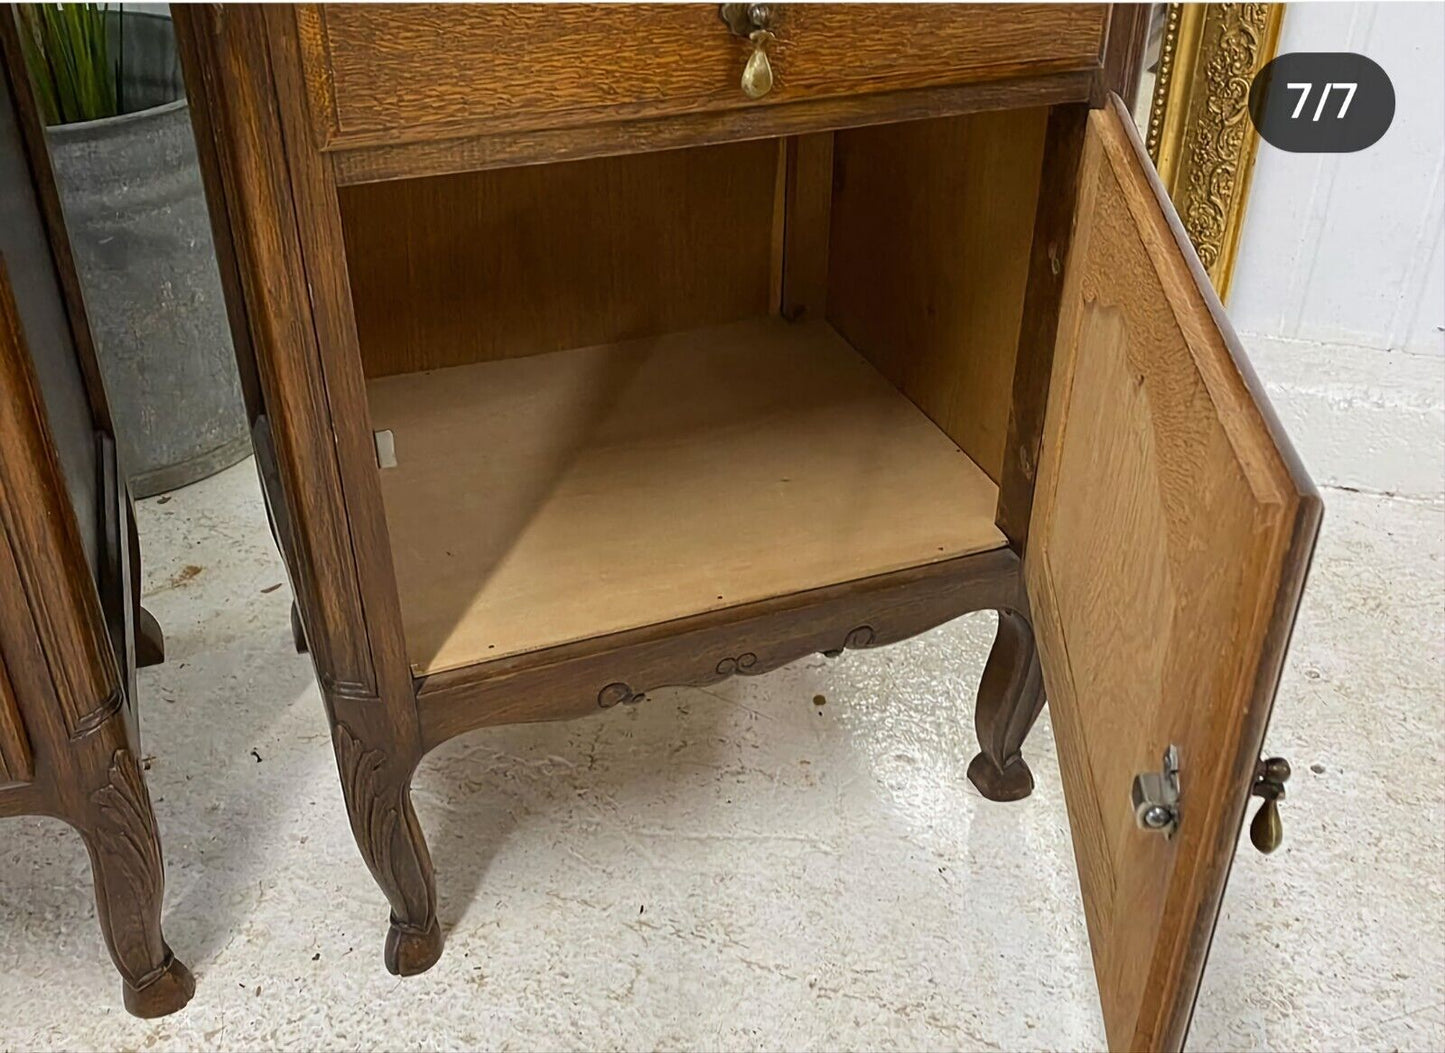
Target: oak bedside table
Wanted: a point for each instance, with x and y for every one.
(591, 349)
(72, 631)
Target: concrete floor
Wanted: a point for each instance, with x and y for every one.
(737, 867)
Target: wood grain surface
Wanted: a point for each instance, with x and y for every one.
(229, 78)
(932, 222)
(502, 149)
(273, 180)
(519, 261)
(1165, 553)
(1058, 199)
(15, 762)
(543, 500)
(36, 513)
(571, 680)
(603, 527)
(807, 207)
(411, 72)
(290, 297)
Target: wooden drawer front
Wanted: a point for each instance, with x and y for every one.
(385, 74)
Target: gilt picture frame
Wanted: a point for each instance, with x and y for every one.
(1197, 129)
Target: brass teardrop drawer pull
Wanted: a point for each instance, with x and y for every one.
(1266, 831)
(752, 21)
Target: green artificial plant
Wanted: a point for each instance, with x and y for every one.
(67, 48)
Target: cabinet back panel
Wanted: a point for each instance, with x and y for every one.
(931, 227)
(499, 264)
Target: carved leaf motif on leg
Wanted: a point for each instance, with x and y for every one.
(127, 834)
(125, 854)
(377, 790)
(372, 821)
(375, 802)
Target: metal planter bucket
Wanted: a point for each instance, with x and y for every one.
(130, 188)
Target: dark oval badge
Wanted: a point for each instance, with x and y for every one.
(1322, 102)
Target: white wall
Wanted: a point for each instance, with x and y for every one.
(1339, 290)
(1347, 248)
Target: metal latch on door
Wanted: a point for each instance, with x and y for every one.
(1156, 796)
(1156, 799)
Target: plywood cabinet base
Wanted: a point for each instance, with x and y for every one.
(538, 501)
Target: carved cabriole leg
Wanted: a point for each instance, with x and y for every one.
(376, 773)
(119, 828)
(1010, 698)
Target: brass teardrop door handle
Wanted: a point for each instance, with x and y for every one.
(1266, 831)
(752, 21)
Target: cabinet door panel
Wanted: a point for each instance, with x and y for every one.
(1172, 527)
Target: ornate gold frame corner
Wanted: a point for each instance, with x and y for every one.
(1199, 132)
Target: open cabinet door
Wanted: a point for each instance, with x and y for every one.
(1172, 527)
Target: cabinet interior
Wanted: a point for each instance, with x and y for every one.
(631, 389)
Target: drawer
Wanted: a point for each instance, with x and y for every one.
(381, 74)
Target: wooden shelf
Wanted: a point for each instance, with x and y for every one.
(538, 501)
